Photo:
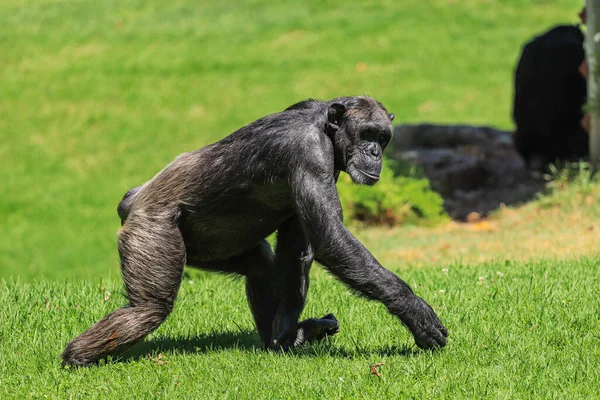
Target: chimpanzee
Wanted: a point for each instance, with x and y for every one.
(550, 92)
(213, 207)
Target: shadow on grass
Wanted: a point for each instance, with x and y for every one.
(211, 342)
(249, 341)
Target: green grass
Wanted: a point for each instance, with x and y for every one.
(517, 330)
(96, 97)
(518, 295)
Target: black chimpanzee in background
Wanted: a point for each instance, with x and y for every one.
(550, 92)
(212, 209)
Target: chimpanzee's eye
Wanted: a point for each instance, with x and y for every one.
(384, 139)
(370, 135)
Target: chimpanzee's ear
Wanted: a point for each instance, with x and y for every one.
(335, 113)
(392, 116)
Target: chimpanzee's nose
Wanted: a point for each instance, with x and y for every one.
(375, 152)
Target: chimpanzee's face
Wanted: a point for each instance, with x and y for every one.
(369, 130)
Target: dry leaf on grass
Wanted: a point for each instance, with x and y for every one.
(158, 359)
(374, 370)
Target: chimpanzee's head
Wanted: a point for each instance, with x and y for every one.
(361, 129)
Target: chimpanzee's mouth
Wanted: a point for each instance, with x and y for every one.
(369, 175)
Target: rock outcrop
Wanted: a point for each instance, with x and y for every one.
(475, 168)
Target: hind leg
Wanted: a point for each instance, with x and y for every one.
(260, 289)
(258, 266)
(276, 291)
(152, 256)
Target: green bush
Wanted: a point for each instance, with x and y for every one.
(402, 196)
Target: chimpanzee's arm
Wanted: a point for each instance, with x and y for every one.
(317, 203)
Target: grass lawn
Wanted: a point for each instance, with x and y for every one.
(96, 97)
(518, 294)
(517, 330)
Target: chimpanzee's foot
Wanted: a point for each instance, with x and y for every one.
(309, 330)
(313, 329)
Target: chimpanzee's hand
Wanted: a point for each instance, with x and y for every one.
(424, 324)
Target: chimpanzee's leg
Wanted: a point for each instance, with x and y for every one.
(260, 289)
(152, 258)
(295, 257)
(258, 266)
(276, 289)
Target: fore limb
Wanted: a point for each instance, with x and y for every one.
(294, 257)
(152, 256)
(344, 256)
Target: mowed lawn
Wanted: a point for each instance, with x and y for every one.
(523, 323)
(96, 97)
(517, 330)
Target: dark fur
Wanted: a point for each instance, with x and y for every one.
(212, 209)
(549, 95)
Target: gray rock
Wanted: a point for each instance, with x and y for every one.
(448, 169)
(475, 168)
